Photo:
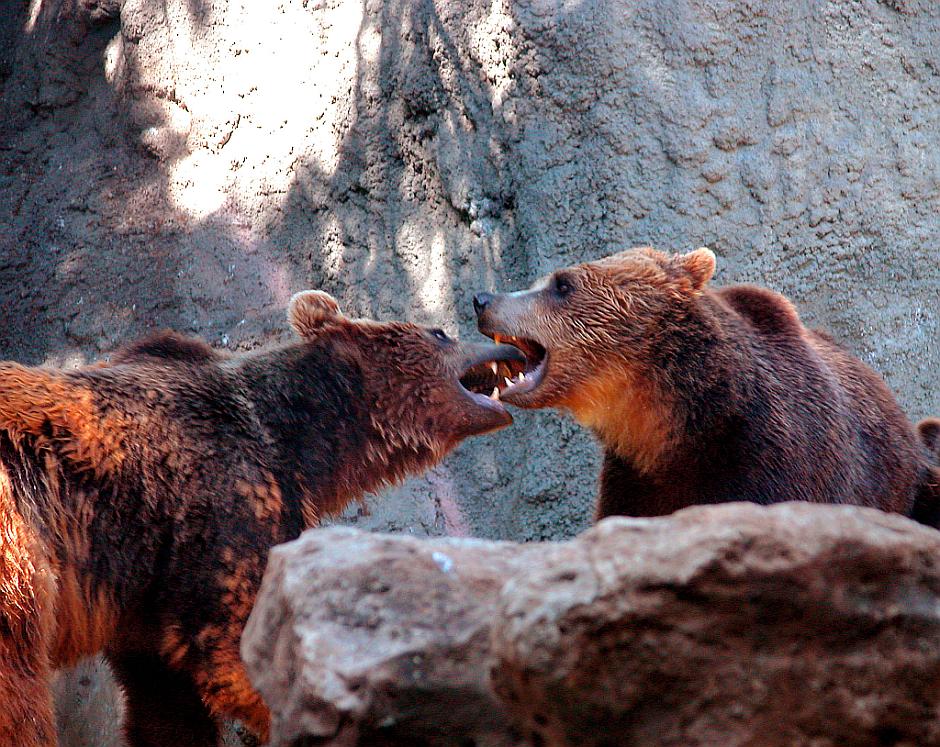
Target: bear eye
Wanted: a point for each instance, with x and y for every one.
(440, 334)
(563, 285)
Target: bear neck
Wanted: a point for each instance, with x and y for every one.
(330, 446)
(665, 408)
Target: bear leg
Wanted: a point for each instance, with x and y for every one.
(225, 687)
(27, 594)
(162, 704)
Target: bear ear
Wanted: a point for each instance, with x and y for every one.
(311, 310)
(700, 265)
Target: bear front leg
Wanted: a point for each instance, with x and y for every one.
(163, 706)
(225, 687)
(207, 639)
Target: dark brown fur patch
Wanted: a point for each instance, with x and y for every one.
(168, 346)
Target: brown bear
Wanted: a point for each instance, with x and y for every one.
(138, 499)
(705, 396)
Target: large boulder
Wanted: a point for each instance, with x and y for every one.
(376, 639)
(729, 625)
(721, 625)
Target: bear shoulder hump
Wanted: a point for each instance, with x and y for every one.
(766, 310)
(168, 346)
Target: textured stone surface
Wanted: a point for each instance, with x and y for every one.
(722, 625)
(729, 625)
(190, 163)
(89, 707)
(377, 639)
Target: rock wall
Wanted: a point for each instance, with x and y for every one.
(720, 625)
(190, 163)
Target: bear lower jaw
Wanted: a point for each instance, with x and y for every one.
(524, 382)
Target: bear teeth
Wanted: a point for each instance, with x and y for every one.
(495, 394)
(519, 378)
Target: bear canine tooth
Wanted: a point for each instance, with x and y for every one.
(494, 367)
(495, 394)
(522, 376)
(508, 382)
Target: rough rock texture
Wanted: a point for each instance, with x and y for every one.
(379, 639)
(89, 707)
(722, 625)
(729, 625)
(190, 163)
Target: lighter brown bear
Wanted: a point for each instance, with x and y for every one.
(138, 500)
(703, 396)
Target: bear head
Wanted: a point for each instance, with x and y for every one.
(593, 325)
(424, 391)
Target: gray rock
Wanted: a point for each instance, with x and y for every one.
(378, 639)
(720, 625)
(729, 625)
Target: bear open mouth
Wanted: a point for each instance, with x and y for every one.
(487, 372)
(499, 379)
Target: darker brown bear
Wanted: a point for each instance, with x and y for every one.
(138, 500)
(705, 396)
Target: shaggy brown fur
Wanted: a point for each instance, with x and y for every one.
(704, 396)
(138, 500)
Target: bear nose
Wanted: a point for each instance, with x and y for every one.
(481, 301)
